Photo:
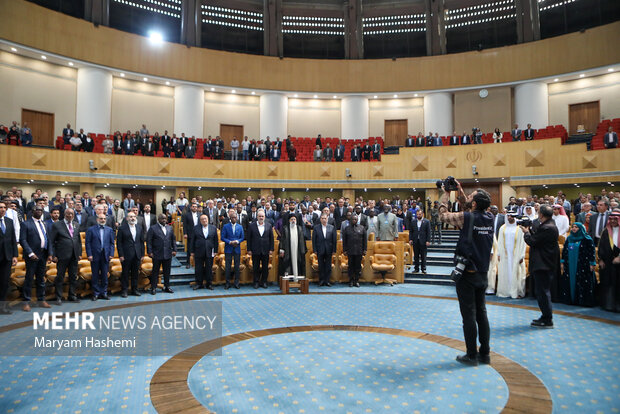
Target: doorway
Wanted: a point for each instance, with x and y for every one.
(395, 132)
(227, 132)
(492, 188)
(142, 194)
(41, 125)
(587, 114)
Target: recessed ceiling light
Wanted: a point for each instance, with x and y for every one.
(234, 91)
(253, 93)
(70, 63)
(556, 79)
(295, 96)
(315, 96)
(145, 79)
(13, 49)
(122, 75)
(416, 95)
(375, 97)
(610, 70)
(334, 96)
(583, 75)
(156, 37)
(395, 96)
(43, 57)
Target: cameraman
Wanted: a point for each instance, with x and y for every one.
(470, 288)
(544, 259)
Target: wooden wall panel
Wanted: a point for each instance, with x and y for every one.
(520, 163)
(79, 39)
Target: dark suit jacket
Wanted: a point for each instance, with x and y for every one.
(500, 222)
(454, 140)
(148, 149)
(61, 244)
(188, 222)
(275, 155)
(93, 242)
(544, 248)
(126, 246)
(354, 240)
(87, 143)
(465, 140)
(356, 154)
(84, 218)
(152, 220)
(328, 154)
(159, 245)
(128, 147)
(202, 247)
(593, 220)
(8, 241)
(420, 142)
(339, 154)
(529, 133)
(190, 152)
(409, 142)
(258, 244)
(321, 244)
(92, 221)
(423, 235)
(30, 240)
(339, 218)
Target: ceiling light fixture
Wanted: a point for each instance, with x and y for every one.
(212, 89)
(43, 57)
(13, 49)
(145, 79)
(70, 63)
(583, 75)
(167, 83)
(122, 75)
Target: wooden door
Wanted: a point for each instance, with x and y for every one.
(227, 132)
(42, 126)
(395, 132)
(492, 188)
(143, 194)
(587, 114)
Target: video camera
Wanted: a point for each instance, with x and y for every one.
(449, 184)
(524, 221)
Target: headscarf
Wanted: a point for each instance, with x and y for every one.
(579, 236)
(610, 229)
(587, 222)
(561, 207)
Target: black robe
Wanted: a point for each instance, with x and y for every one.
(285, 244)
(609, 287)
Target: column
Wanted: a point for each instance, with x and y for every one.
(94, 100)
(191, 22)
(507, 191)
(189, 107)
(273, 116)
(353, 30)
(87, 188)
(354, 117)
(272, 27)
(435, 27)
(265, 192)
(523, 192)
(531, 105)
(350, 194)
(438, 113)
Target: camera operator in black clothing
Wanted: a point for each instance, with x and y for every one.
(473, 255)
(544, 259)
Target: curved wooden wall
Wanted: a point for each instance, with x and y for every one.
(521, 164)
(37, 27)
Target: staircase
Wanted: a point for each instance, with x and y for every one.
(179, 274)
(439, 263)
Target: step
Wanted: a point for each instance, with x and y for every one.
(420, 281)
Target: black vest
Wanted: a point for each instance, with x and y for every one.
(479, 251)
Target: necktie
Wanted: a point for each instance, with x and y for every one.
(599, 224)
(2, 225)
(43, 232)
(70, 229)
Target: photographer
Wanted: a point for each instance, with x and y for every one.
(473, 254)
(544, 259)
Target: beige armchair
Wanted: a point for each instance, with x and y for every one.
(384, 260)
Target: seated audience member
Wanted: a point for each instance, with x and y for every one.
(497, 136)
(76, 143)
(26, 136)
(529, 133)
(318, 154)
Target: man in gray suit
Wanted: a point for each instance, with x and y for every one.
(516, 133)
(586, 208)
(328, 153)
(598, 221)
(387, 224)
(190, 150)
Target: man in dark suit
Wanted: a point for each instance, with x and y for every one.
(354, 243)
(8, 255)
(65, 249)
(324, 245)
(598, 221)
(34, 241)
(611, 139)
(366, 151)
(409, 142)
(498, 220)
(420, 141)
(356, 153)
(257, 154)
(275, 154)
(544, 260)
(328, 153)
(130, 246)
(232, 235)
(67, 133)
(340, 213)
(149, 219)
(129, 146)
(376, 151)
(80, 216)
(87, 142)
(100, 250)
(190, 220)
(260, 247)
(419, 238)
(161, 247)
(92, 220)
(179, 149)
(148, 149)
(190, 150)
(339, 153)
(204, 246)
(529, 133)
(465, 139)
(454, 139)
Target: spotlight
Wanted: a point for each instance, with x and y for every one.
(610, 70)
(167, 83)
(295, 96)
(583, 75)
(122, 75)
(365, 190)
(155, 37)
(331, 190)
(145, 79)
(335, 97)
(395, 96)
(70, 63)
(249, 188)
(556, 79)
(234, 91)
(13, 49)
(315, 96)
(375, 97)
(253, 93)
(212, 89)
(43, 57)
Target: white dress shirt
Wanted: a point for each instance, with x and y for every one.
(261, 229)
(132, 230)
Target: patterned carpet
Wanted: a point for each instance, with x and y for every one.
(578, 361)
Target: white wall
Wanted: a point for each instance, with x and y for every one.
(381, 109)
(605, 88)
(310, 117)
(136, 103)
(233, 110)
(39, 86)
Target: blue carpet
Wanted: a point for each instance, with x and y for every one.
(578, 361)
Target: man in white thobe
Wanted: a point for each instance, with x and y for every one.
(561, 221)
(492, 272)
(511, 263)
